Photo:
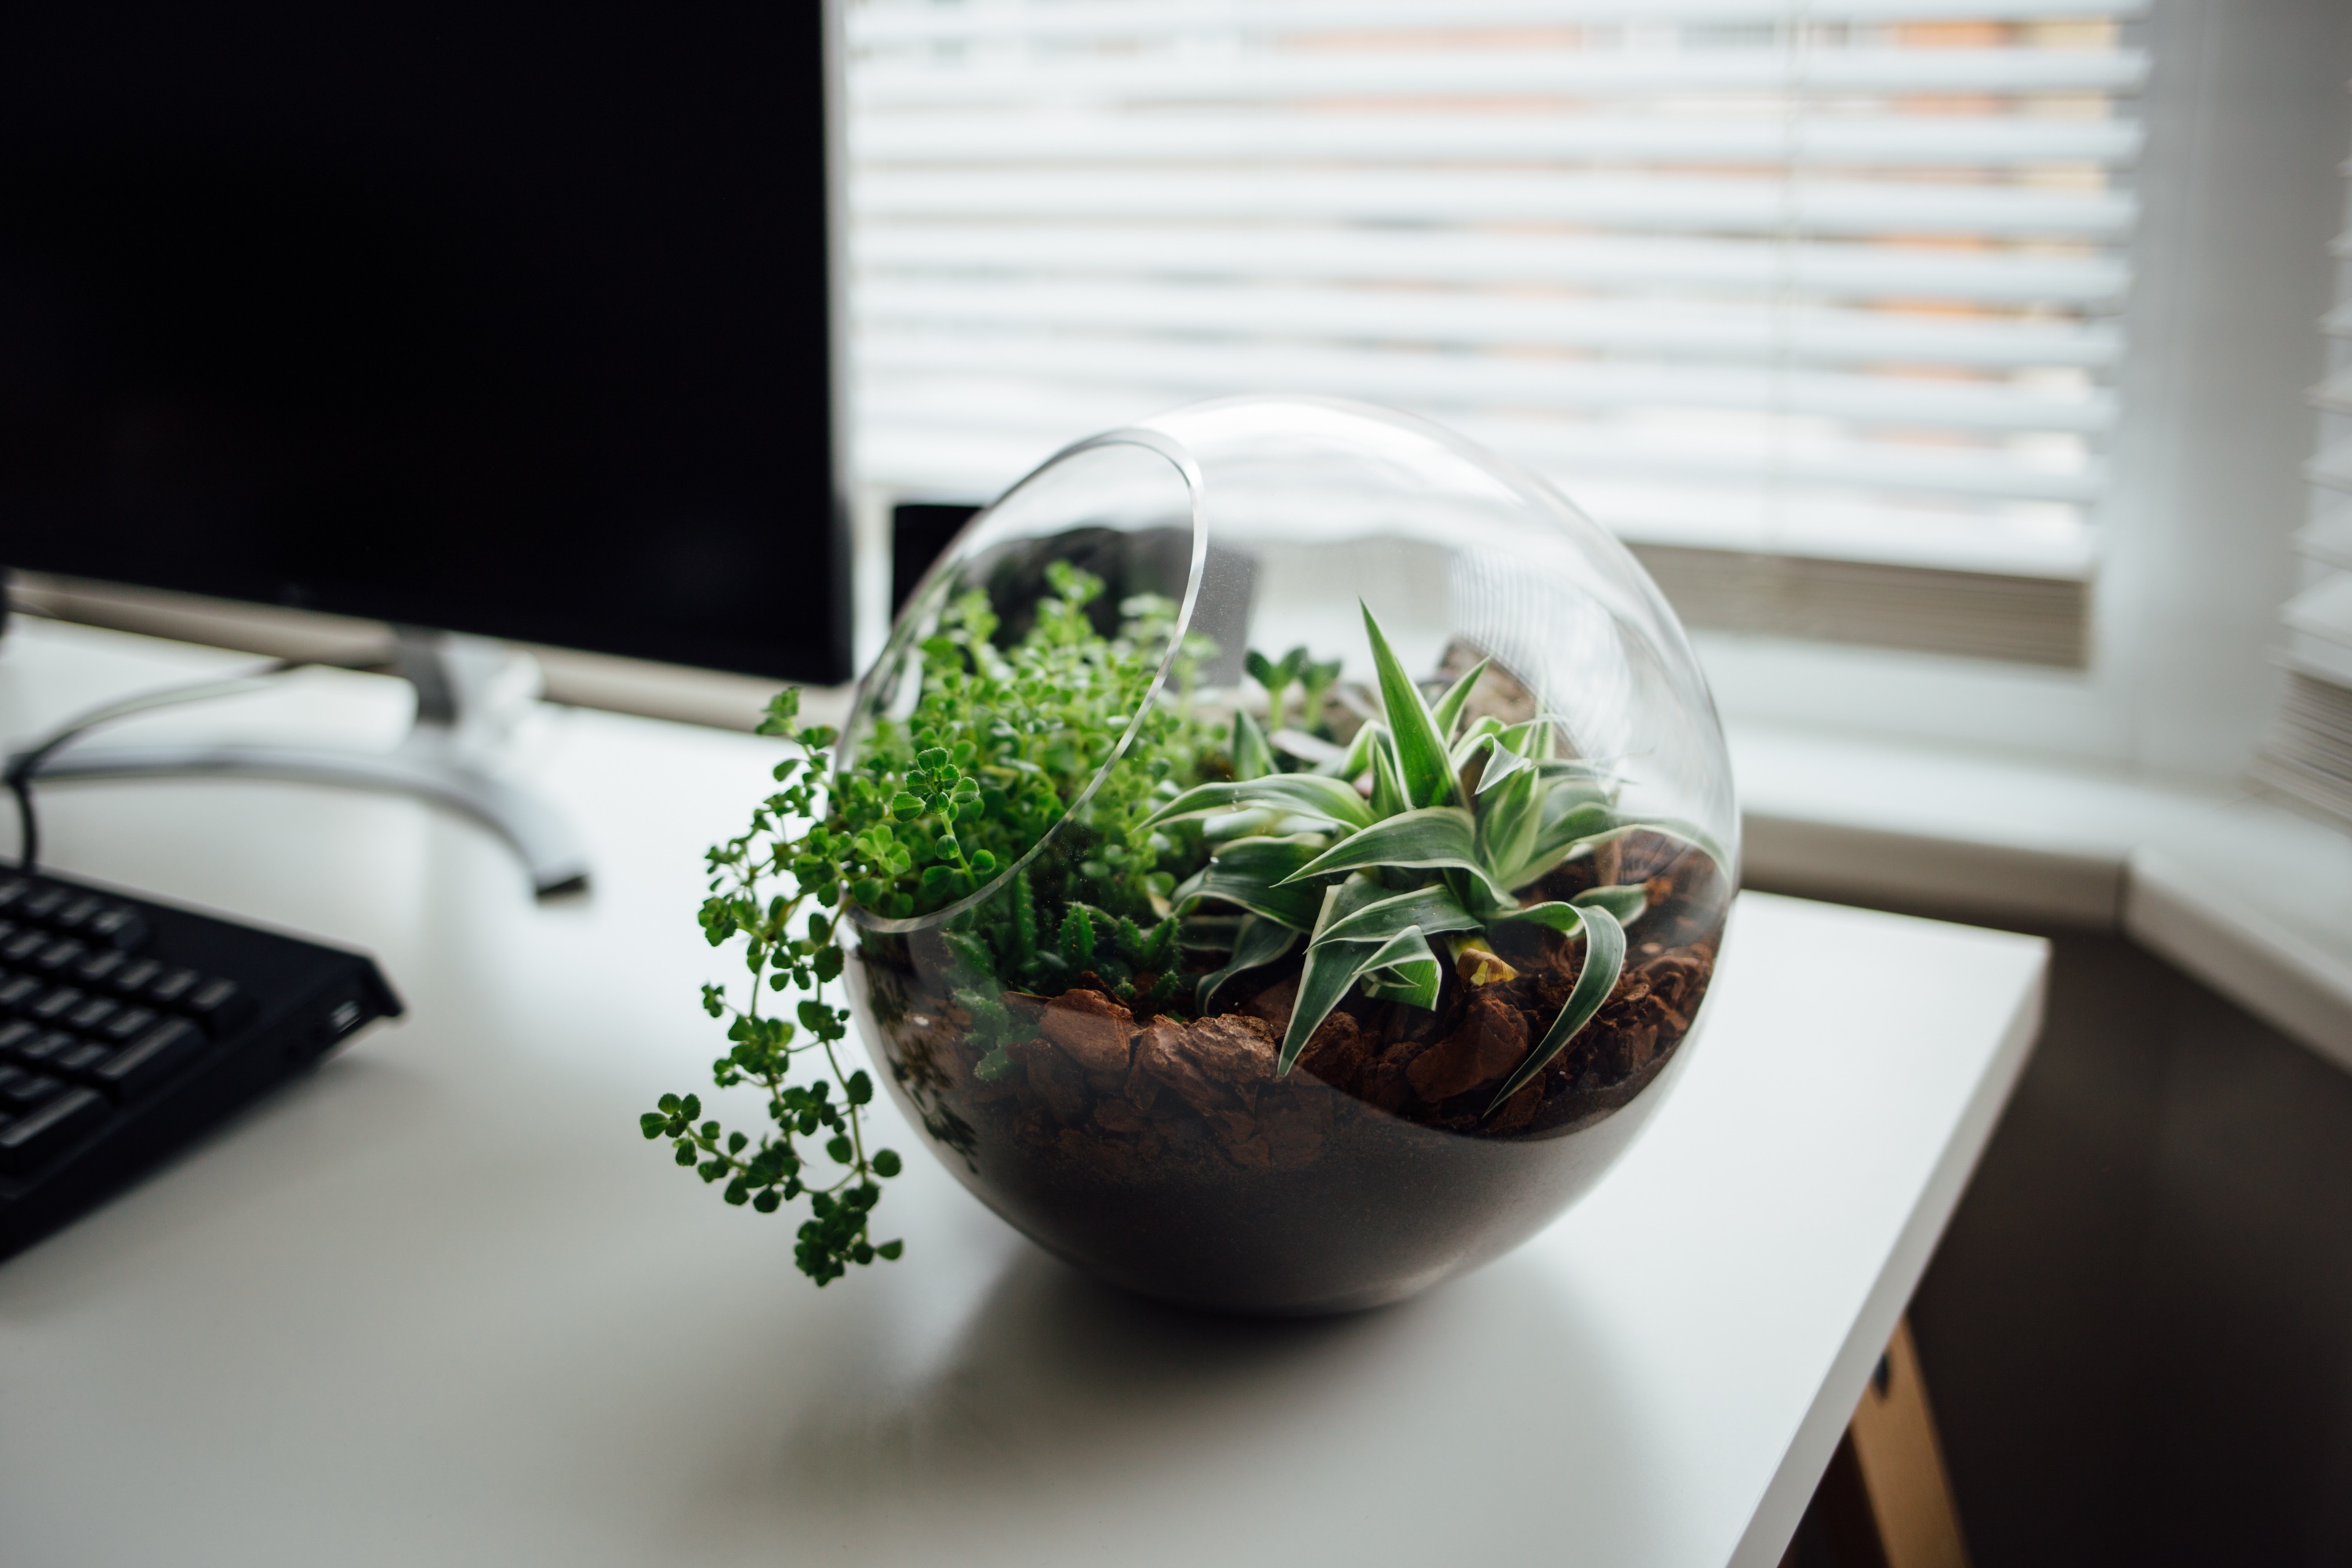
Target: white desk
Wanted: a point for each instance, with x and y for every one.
(442, 1304)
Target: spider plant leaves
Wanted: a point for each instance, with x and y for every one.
(1625, 904)
(1565, 919)
(1473, 740)
(1605, 961)
(1252, 759)
(1578, 827)
(1313, 749)
(1422, 759)
(1252, 872)
(1690, 833)
(1405, 969)
(1663, 827)
(1356, 760)
(1434, 837)
(1332, 968)
(1509, 820)
(1258, 942)
(1299, 794)
(1388, 796)
(1448, 710)
(1432, 909)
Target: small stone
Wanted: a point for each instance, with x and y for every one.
(1491, 1038)
(1276, 1003)
(1521, 1108)
(1163, 1050)
(1091, 1029)
(1340, 1052)
(1234, 1047)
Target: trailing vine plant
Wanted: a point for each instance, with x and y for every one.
(999, 747)
(776, 1169)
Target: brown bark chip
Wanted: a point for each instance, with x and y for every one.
(1274, 1002)
(1490, 1041)
(1339, 1053)
(1234, 1049)
(1163, 1050)
(1091, 1027)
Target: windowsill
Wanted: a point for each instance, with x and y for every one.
(2250, 897)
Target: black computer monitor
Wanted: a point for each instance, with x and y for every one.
(483, 316)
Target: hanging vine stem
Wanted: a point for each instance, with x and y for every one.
(774, 1170)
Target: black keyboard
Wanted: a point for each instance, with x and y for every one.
(129, 1027)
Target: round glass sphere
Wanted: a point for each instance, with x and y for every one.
(1305, 845)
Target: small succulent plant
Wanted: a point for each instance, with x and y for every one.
(1454, 830)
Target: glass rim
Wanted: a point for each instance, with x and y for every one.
(1179, 456)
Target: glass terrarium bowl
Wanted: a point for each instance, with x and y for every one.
(1319, 987)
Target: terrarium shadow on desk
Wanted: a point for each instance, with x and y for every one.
(1055, 1396)
(1307, 848)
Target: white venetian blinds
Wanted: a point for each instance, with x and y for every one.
(1813, 300)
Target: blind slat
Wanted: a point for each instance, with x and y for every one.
(1692, 516)
(1021, 426)
(881, 25)
(1830, 269)
(1712, 330)
(1651, 202)
(1869, 140)
(1437, 377)
(893, 82)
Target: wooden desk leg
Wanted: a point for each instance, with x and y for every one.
(1886, 1501)
(1886, 1489)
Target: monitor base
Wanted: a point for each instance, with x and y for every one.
(469, 693)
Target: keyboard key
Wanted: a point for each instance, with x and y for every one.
(17, 1033)
(79, 1058)
(46, 1048)
(170, 985)
(126, 1026)
(219, 1006)
(118, 926)
(17, 993)
(52, 1006)
(133, 976)
(42, 904)
(97, 968)
(27, 1141)
(20, 948)
(150, 1058)
(12, 891)
(79, 913)
(92, 1015)
(21, 1091)
(57, 954)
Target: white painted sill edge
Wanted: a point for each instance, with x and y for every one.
(2250, 897)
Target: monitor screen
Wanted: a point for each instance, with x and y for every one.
(488, 316)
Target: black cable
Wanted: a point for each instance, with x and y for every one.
(26, 763)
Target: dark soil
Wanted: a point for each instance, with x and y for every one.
(1118, 1096)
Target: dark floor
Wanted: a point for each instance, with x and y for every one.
(2138, 1331)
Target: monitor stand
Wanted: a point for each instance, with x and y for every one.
(471, 693)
